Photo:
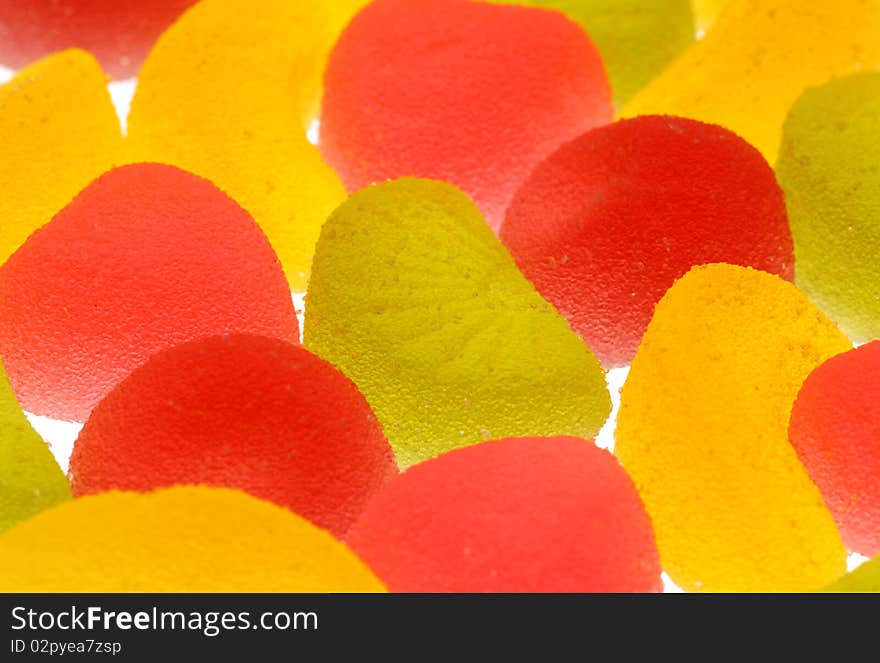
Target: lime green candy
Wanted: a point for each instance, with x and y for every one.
(636, 38)
(414, 298)
(828, 170)
(30, 479)
(865, 578)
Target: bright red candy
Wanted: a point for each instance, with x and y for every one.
(119, 33)
(146, 257)
(606, 224)
(835, 429)
(535, 514)
(244, 412)
(471, 93)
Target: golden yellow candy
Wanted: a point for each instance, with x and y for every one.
(415, 299)
(184, 539)
(757, 59)
(58, 132)
(703, 432)
(706, 11)
(865, 578)
(30, 479)
(227, 92)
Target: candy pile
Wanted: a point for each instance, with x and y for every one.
(492, 212)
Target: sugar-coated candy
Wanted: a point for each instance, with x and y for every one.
(866, 578)
(414, 298)
(241, 411)
(226, 93)
(757, 58)
(706, 11)
(828, 169)
(58, 131)
(702, 431)
(606, 224)
(182, 539)
(146, 257)
(636, 38)
(30, 479)
(470, 93)
(835, 429)
(516, 515)
(118, 32)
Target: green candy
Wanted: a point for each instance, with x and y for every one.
(414, 298)
(828, 168)
(30, 479)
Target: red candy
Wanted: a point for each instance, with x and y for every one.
(606, 224)
(146, 257)
(835, 429)
(244, 412)
(516, 515)
(471, 93)
(119, 33)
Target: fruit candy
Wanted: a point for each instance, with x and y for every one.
(146, 257)
(225, 94)
(702, 431)
(471, 93)
(58, 132)
(758, 58)
(606, 224)
(828, 169)
(119, 32)
(636, 38)
(515, 515)
(414, 298)
(184, 539)
(30, 479)
(245, 412)
(866, 578)
(835, 429)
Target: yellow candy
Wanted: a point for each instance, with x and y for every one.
(185, 539)
(706, 11)
(413, 297)
(758, 58)
(30, 479)
(702, 431)
(866, 578)
(226, 93)
(58, 131)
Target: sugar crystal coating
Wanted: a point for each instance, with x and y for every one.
(146, 257)
(183, 539)
(606, 224)
(240, 411)
(414, 298)
(835, 429)
(516, 515)
(702, 430)
(828, 169)
(470, 93)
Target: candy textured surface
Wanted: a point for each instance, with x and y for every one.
(415, 300)
(184, 539)
(226, 93)
(58, 131)
(30, 479)
(866, 578)
(835, 429)
(756, 60)
(606, 224)
(245, 412)
(146, 257)
(470, 93)
(479, 520)
(706, 11)
(702, 431)
(636, 38)
(119, 32)
(828, 169)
